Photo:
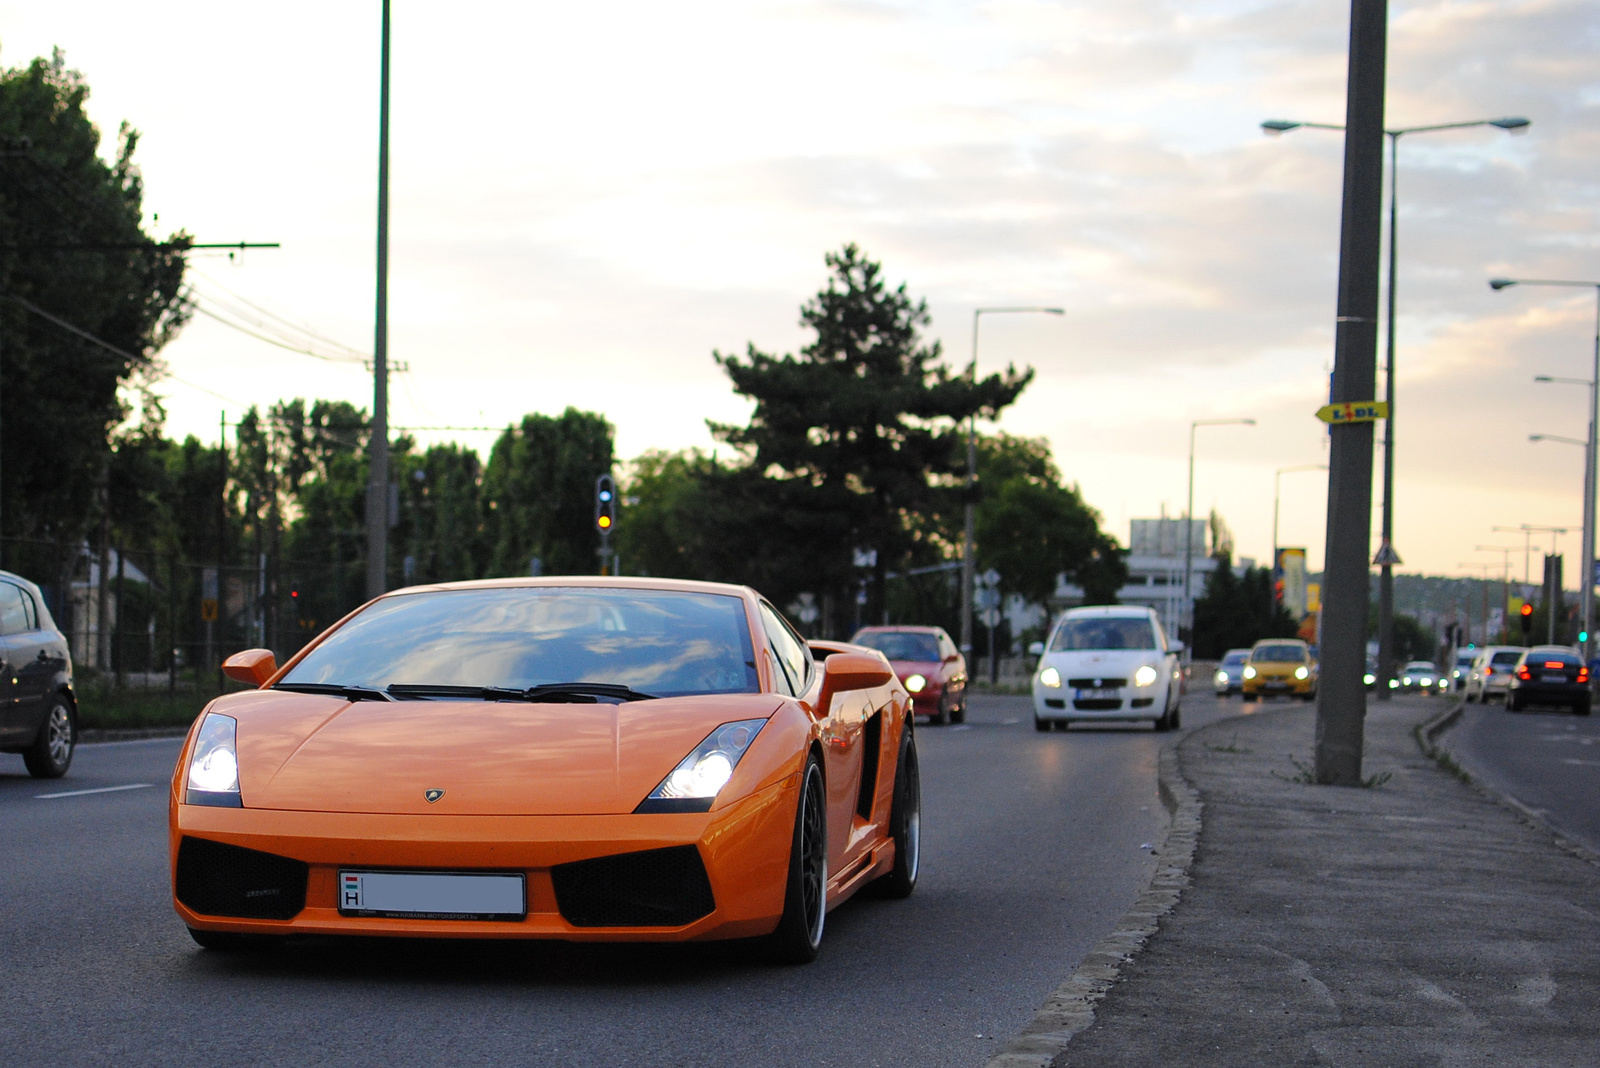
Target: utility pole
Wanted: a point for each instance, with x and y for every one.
(378, 483)
(1342, 695)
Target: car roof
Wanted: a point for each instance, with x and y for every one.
(1282, 641)
(1109, 611)
(586, 581)
(1231, 652)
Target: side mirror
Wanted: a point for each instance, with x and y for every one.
(1175, 647)
(253, 667)
(844, 672)
(1036, 649)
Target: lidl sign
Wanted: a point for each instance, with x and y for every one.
(1354, 412)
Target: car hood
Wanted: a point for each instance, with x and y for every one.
(928, 669)
(308, 752)
(1100, 663)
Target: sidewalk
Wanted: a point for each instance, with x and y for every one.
(1413, 923)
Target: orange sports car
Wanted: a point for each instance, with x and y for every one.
(575, 758)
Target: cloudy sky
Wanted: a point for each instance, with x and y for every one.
(589, 199)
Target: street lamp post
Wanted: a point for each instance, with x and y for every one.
(1386, 554)
(968, 531)
(1591, 451)
(1188, 523)
(378, 447)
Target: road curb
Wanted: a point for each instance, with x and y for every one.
(1070, 1007)
(128, 734)
(1429, 735)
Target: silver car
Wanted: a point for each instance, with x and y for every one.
(1229, 678)
(1491, 672)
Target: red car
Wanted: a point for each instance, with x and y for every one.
(929, 665)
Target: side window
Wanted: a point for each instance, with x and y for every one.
(789, 651)
(32, 610)
(13, 613)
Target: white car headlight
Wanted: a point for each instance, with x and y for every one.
(1302, 673)
(1050, 677)
(915, 683)
(1145, 676)
(1394, 684)
(1369, 678)
(1406, 680)
(214, 765)
(694, 783)
(1222, 677)
(1249, 672)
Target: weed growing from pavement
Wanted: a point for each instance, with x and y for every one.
(1232, 747)
(1305, 775)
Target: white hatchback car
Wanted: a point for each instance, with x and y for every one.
(1107, 663)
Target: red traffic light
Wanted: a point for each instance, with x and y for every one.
(1527, 609)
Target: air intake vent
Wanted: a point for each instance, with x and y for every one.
(655, 888)
(216, 879)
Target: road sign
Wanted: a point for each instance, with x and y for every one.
(1386, 555)
(990, 617)
(986, 598)
(1354, 412)
(208, 609)
(990, 577)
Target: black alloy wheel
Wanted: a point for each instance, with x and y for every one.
(50, 755)
(805, 899)
(905, 825)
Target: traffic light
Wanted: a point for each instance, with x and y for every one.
(1527, 620)
(605, 504)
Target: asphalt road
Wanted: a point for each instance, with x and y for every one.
(1034, 845)
(1548, 759)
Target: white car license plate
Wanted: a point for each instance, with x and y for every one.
(432, 895)
(1098, 695)
(1554, 676)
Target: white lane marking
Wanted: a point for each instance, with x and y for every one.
(962, 727)
(1582, 763)
(100, 790)
(1009, 722)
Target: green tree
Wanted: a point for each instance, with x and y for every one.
(1236, 612)
(538, 489)
(75, 251)
(1031, 528)
(853, 437)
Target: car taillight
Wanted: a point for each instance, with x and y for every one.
(1583, 674)
(1524, 673)
(1557, 664)
(1487, 671)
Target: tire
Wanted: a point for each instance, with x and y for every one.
(940, 718)
(1040, 724)
(1580, 707)
(958, 714)
(50, 755)
(230, 942)
(1513, 702)
(905, 826)
(805, 897)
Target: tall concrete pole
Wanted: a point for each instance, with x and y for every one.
(1342, 695)
(378, 480)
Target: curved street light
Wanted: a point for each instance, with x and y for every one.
(1277, 127)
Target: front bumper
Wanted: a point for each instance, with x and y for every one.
(744, 848)
(1270, 685)
(1131, 703)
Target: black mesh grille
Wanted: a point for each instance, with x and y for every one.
(1097, 684)
(216, 879)
(655, 888)
(1098, 704)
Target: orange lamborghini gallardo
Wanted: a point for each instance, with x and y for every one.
(570, 758)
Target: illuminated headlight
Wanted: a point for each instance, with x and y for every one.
(694, 783)
(1050, 677)
(1395, 683)
(1145, 676)
(1443, 683)
(915, 683)
(1222, 677)
(1302, 673)
(1426, 680)
(214, 765)
(1369, 678)
(1406, 680)
(1249, 672)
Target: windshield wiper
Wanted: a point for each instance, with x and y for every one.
(583, 691)
(349, 693)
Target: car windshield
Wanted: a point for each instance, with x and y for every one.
(1508, 658)
(659, 642)
(1234, 659)
(1421, 666)
(1279, 654)
(1103, 633)
(902, 646)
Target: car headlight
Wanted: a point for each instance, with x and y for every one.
(1145, 676)
(694, 783)
(1249, 672)
(1426, 680)
(1302, 673)
(214, 765)
(1222, 677)
(1406, 680)
(1443, 683)
(915, 683)
(1369, 678)
(1050, 677)
(1394, 684)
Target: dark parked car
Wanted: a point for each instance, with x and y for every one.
(1549, 675)
(929, 665)
(41, 719)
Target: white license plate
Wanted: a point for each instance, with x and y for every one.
(1098, 695)
(432, 895)
(1554, 676)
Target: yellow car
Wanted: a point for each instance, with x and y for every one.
(1280, 666)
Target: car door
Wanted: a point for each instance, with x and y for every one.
(19, 720)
